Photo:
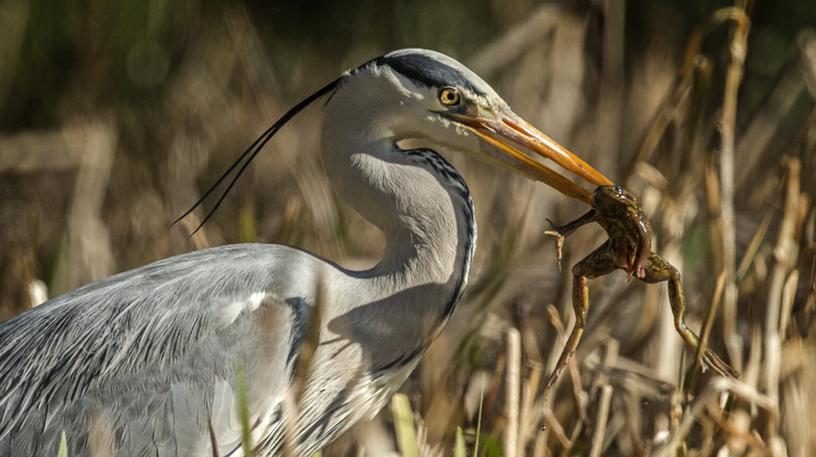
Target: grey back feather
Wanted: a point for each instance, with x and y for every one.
(129, 356)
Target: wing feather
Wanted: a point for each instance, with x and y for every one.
(151, 351)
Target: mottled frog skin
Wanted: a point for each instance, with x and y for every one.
(628, 248)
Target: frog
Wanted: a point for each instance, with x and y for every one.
(628, 248)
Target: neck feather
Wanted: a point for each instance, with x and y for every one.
(424, 209)
(418, 201)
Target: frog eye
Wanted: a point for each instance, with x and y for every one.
(449, 96)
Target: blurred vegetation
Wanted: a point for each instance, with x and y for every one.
(115, 115)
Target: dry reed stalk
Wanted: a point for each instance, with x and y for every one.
(554, 318)
(90, 255)
(785, 254)
(541, 409)
(44, 151)
(578, 394)
(555, 427)
(727, 126)
(713, 390)
(706, 332)
(788, 297)
(601, 420)
(609, 359)
(753, 247)
(511, 401)
(668, 358)
(540, 446)
(526, 424)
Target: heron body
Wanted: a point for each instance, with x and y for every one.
(144, 362)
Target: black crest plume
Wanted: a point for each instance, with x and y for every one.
(243, 161)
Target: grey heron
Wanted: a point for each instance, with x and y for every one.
(144, 362)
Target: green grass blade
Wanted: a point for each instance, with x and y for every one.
(479, 418)
(493, 446)
(243, 409)
(63, 446)
(459, 447)
(404, 426)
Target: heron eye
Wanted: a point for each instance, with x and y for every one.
(449, 96)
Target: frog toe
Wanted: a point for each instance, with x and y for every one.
(717, 364)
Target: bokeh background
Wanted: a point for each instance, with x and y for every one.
(115, 116)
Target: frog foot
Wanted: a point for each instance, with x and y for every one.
(559, 241)
(559, 244)
(715, 362)
(710, 358)
(638, 270)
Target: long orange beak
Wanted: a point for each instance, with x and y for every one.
(506, 132)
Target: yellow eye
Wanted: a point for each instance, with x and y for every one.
(449, 96)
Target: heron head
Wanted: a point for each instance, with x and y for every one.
(427, 96)
(424, 95)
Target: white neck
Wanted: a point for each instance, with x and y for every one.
(421, 206)
(421, 214)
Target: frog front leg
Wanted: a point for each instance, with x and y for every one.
(563, 231)
(598, 263)
(659, 270)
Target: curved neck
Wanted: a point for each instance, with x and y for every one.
(419, 202)
(427, 222)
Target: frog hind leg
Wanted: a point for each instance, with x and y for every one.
(598, 263)
(659, 270)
